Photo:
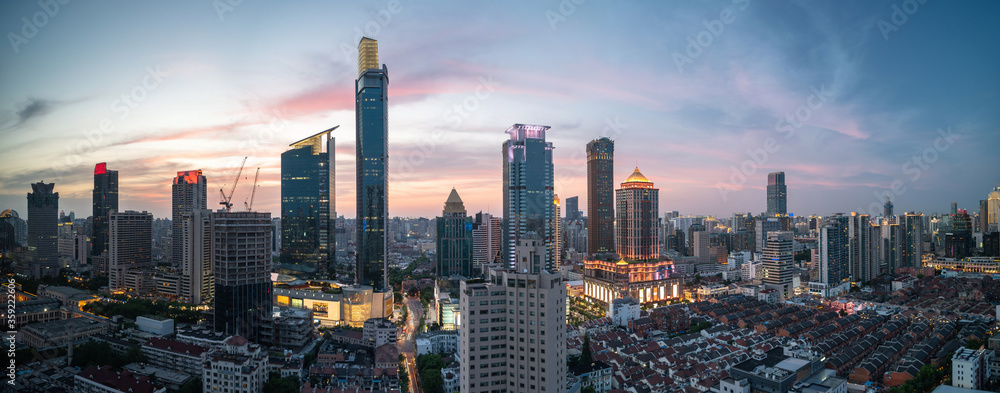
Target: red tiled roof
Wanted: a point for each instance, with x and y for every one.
(176, 346)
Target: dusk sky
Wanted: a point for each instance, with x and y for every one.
(691, 92)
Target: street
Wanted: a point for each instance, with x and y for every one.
(407, 344)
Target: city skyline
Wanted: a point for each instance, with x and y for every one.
(199, 96)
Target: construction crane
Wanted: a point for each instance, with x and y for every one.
(253, 191)
(226, 198)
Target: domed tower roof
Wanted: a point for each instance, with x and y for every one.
(637, 180)
(9, 213)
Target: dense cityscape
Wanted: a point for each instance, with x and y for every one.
(618, 293)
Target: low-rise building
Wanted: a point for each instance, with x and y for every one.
(969, 368)
(238, 367)
(443, 342)
(60, 333)
(623, 311)
(202, 335)
(379, 331)
(95, 379)
(597, 374)
(155, 324)
(175, 355)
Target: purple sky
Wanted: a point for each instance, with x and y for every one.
(691, 92)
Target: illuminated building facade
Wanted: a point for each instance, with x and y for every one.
(350, 305)
(637, 228)
(779, 264)
(647, 282)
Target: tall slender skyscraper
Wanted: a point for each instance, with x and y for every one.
(557, 237)
(190, 193)
(198, 280)
(777, 194)
(105, 201)
(372, 122)
(307, 215)
(528, 190)
(454, 239)
(600, 196)
(43, 229)
(887, 209)
(638, 205)
(241, 259)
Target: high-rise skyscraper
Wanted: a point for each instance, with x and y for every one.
(887, 208)
(778, 261)
(43, 230)
(372, 146)
(307, 206)
(863, 241)
(513, 346)
(573, 208)
(105, 201)
(241, 260)
(528, 190)
(454, 239)
(190, 193)
(487, 236)
(557, 237)
(834, 256)
(993, 204)
(198, 279)
(984, 216)
(130, 246)
(911, 249)
(777, 194)
(600, 196)
(637, 207)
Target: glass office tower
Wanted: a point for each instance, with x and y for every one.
(372, 154)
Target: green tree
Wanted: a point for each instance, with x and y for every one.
(589, 389)
(586, 356)
(431, 381)
(277, 384)
(191, 386)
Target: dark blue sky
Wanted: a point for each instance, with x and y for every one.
(689, 98)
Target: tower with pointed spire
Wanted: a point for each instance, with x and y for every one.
(454, 239)
(888, 208)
